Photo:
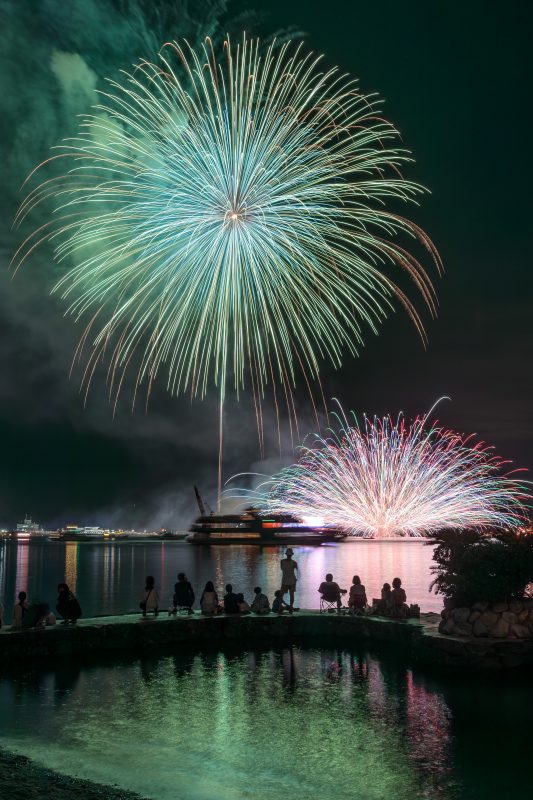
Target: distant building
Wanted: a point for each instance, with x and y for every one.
(28, 526)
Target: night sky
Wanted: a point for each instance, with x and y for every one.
(456, 80)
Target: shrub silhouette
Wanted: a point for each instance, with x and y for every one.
(471, 566)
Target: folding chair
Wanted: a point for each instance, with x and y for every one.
(328, 605)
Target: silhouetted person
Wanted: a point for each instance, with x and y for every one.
(37, 615)
(231, 601)
(183, 594)
(20, 610)
(67, 606)
(331, 591)
(289, 568)
(209, 604)
(149, 597)
(278, 604)
(399, 599)
(242, 605)
(386, 599)
(357, 599)
(260, 604)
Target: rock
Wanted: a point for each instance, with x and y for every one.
(499, 607)
(488, 618)
(509, 617)
(523, 616)
(444, 613)
(463, 629)
(531, 616)
(480, 606)
(479, 628)
(474, 615)
(460, 615)
(447, 626)
(500, 630)
(516, 607)
(520, 631)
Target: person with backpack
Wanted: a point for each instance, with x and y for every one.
(149, 597)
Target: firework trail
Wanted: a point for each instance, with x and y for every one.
(228, 218)
(391, 479)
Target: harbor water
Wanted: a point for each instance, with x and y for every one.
(273, 724)
(108, 577)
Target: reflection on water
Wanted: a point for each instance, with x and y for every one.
(273, 724)
(109, 577)
(224, 725)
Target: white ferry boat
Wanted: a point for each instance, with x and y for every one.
(256, 527)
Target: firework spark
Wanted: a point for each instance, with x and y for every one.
(229, 219)
(388, 479)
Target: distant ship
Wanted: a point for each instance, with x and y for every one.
(72, 533)
(255, 527)
(25, 531)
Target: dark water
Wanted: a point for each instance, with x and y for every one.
(287, 723)
(108, 578)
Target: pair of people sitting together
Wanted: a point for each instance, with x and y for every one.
(331, 592)
(393, 601)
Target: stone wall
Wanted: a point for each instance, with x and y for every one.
(513, 620)
(130, 637)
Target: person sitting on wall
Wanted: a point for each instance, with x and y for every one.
(19, 611)
(399, 606)
(279, 605)
(209, 604)
(183, 594)
(386, 597)
(331, 591)
(383, 605)
(231, 602)
(38, 615)
(67, 605)
(243, 606)
(260, 604)
(357, 600)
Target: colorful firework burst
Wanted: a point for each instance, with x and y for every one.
(388, 479)
(225, 219)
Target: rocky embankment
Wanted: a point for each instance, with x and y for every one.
(512, 620)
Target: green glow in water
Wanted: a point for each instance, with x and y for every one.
(278, 724)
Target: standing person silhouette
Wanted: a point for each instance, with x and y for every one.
(289, 568)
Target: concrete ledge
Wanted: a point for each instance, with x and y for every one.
(418, 639)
